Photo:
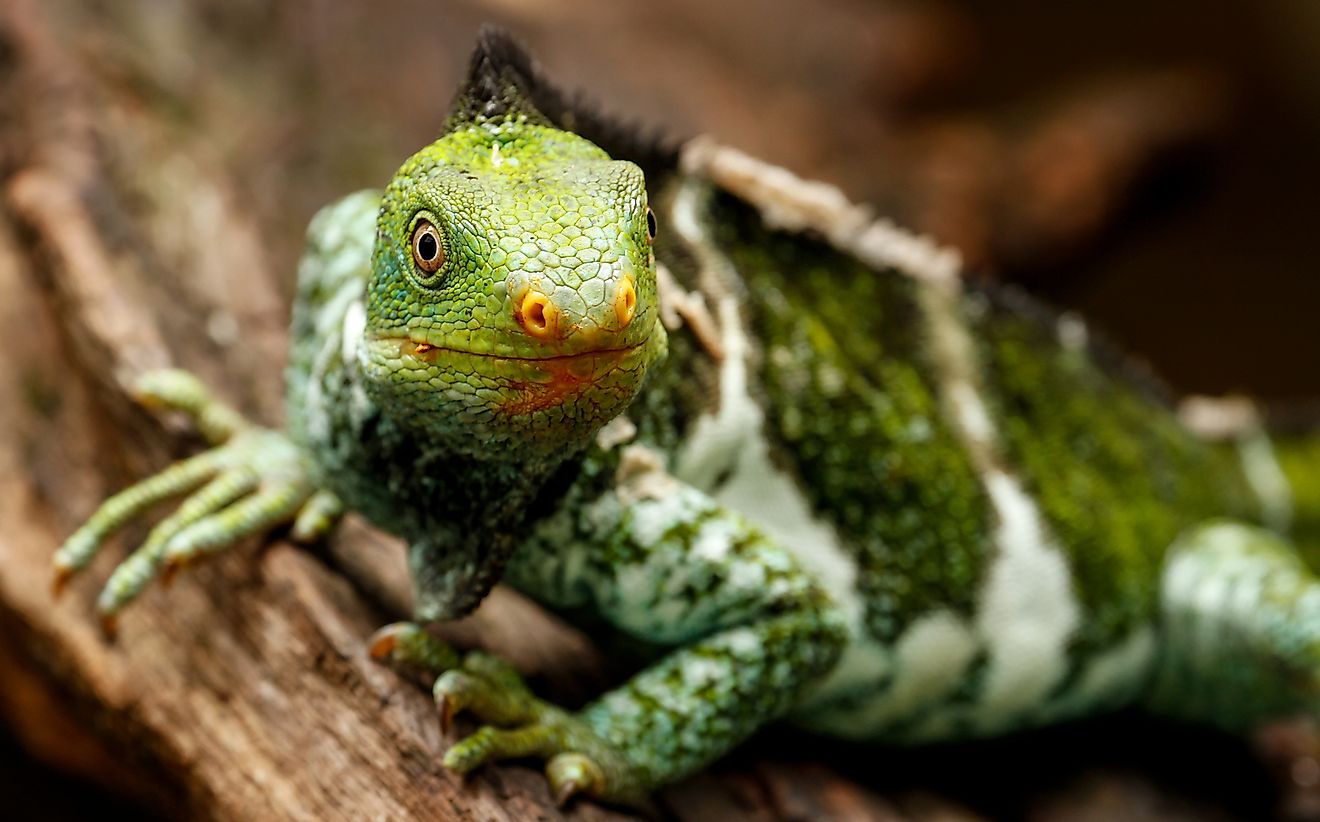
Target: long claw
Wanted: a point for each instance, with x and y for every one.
(566, 792)
(60, 578)
(570, 774)
(454, 691)
(382, 643)
(445, 705)
(493, 702)
(110, 625)
(169, 570)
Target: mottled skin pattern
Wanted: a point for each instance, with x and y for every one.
(799, 466)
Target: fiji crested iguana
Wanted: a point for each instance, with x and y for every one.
(778, 446)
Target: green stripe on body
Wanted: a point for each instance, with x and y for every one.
(851, 399)
(1116, 476)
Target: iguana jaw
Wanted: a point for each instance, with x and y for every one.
(473, 399)
(529, 383)
(417, 347)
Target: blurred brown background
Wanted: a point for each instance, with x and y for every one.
(1154, 165)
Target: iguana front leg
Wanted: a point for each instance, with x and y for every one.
(521, 725)
(250, 481)
(749, 628)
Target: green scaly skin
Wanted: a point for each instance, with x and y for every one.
(811, 479)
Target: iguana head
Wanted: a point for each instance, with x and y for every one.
(513, 295)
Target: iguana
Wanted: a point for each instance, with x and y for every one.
(776, 447)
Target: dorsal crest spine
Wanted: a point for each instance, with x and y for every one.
(502, 82)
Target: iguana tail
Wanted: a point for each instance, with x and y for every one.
(1278, 451)
(1298, 457)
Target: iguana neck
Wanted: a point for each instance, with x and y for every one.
(465, 512)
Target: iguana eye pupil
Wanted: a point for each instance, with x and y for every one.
(427, 250)
(650, 225)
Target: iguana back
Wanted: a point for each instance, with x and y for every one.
(989, 490)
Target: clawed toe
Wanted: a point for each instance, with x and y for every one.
(571, 774)
(569, 771)
(518, 725)
(410, 645)
(515, 723)
(61, 573)
(382, 643)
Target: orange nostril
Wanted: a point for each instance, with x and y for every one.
(534, 315)
(625, 302)
(538, 316)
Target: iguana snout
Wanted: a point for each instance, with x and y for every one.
(554, 314)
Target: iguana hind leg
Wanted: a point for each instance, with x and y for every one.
(1241, 628)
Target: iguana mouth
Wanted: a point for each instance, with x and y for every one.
(433, 354)
(430, 353)
(560, 374)
(516, 386)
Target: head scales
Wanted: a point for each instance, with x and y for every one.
(541, 318)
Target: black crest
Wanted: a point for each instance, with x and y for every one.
(504, 81)
(501, 82)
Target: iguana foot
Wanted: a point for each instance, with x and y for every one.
(250, 481)
(519, 725)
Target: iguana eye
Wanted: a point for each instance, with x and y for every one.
(650, 225)
(427, 250)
